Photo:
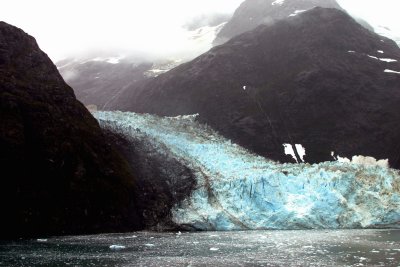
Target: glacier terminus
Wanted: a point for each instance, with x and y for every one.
(238, 190)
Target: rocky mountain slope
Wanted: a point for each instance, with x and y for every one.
(98, 80)
(252, 13)
(60, 174)
(318, 79)
(101, 79)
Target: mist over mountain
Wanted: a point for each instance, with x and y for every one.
(210, 20)
(98, 78)
(318, 79)
(252, 13)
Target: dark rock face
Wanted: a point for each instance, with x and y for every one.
(162, 180)
(60, 175)
(253, 13)
(99, 82)
(311, 79)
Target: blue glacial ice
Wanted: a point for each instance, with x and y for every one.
(239, 190)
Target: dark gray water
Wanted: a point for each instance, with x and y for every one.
(246, 248)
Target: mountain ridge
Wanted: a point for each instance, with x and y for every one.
(254, 89)
(60, 173)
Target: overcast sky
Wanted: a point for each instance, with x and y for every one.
(65, 27)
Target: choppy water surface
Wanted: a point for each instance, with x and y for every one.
(244, 248)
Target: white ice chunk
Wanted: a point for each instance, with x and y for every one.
(380, 51)
(351, 51)
(41, 240)
(214, 249)
(117, 247)
(149, 245)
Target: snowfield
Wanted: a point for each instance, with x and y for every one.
(238, 190)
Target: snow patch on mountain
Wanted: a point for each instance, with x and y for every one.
(111, 60)
(391, 71)
(388, 59)
(383, 59)
(290, 151)
(278, 2)
(240, 190)
(301, 151)
(295, 13)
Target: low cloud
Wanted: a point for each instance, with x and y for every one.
(151, 28)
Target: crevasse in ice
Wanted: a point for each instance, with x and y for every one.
(239, 190)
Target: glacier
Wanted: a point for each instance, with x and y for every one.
(238, 190)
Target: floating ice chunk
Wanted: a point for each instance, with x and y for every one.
(380, 51)
(301, 151)
(391, 71)
(41, 240)
(244, 87)
(289, 151)
(178, 233)
(278, 2)
(351, 51)
(214, 249)
(149, 245)
(130, 237)
(117, 247)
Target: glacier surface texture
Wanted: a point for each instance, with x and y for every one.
(238, 190)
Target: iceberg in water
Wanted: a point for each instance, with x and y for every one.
(239, 190)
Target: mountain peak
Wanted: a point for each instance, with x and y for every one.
(318, 79)
(253, 13)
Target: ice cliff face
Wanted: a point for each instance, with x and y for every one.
(239, 190)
